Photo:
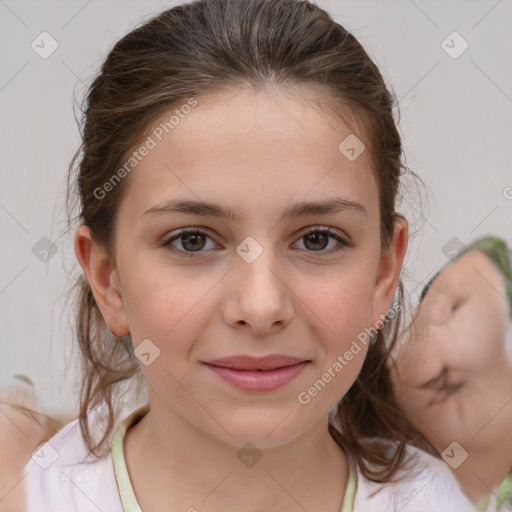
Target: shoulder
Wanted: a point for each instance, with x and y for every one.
(62, 476)
(425, 484)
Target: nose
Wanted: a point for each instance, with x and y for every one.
(259, 295)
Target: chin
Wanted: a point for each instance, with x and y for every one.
(271, 431)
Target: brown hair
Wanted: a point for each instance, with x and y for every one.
(210, 45)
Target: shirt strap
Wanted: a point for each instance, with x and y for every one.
(124, 485)
(350, 489)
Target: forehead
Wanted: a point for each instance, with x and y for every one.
(253, 149)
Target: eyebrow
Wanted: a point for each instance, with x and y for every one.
(431, 382)
(300, 209)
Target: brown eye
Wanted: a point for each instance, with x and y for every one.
(192, 241)
(317, 240)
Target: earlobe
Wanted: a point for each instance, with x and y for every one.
(102, 276)
(388, 272)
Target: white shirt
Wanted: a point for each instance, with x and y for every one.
(60, 479)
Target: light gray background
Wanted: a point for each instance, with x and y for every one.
(456, 125)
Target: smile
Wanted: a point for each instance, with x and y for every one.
(257, 379)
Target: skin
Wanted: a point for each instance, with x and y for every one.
(257, 152)
(463, 323)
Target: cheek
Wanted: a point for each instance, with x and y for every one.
(344, 310)
(166, 318)
(339, 319)
(165, 307)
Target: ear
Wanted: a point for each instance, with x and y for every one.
(388, 271)
(103, 280)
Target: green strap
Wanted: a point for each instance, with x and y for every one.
(350, 490)
(128, 499)
(504, 500)
(505, 493)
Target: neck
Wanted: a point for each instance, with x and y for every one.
(191, 469)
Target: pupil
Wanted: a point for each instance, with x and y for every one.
(318, 236)
(187, 238)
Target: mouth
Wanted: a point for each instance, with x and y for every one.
(243, 362)
(258, 374)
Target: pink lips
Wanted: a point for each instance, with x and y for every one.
(258, 373)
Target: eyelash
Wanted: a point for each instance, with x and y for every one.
(315, 229)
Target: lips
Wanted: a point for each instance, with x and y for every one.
(243, 362)
(258, 374)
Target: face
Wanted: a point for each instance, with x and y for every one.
(463, 325)
(254, 285)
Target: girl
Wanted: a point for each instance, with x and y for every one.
(455, 371)
(237, 185)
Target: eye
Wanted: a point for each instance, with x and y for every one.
(193, 240)
(317, 236)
